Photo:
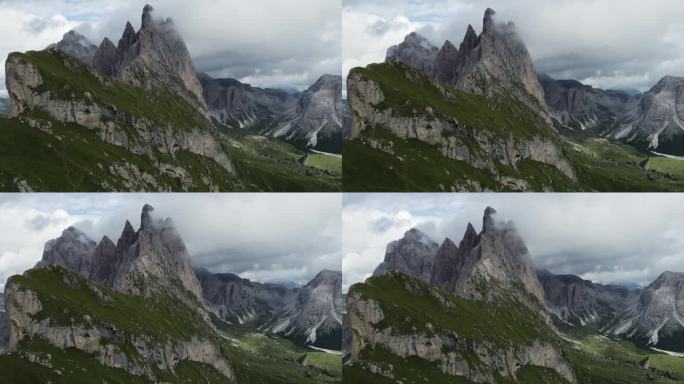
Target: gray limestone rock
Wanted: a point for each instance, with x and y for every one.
(415, 51)
(413, 254)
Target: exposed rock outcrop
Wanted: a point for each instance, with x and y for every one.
(415, 51)
(73, 250)
(657, 317)
(413, 254)
(311, 314)
(480, 147)
(136, 132)
(76, 45)
(580, 302)
(486, 264)
(309, 119)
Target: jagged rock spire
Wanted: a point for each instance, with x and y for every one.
(488, 21)
(147, 21)
(488, 219)
(145, 218)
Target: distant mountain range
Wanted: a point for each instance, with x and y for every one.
(476, 116)
(477, 311)
(310, 315)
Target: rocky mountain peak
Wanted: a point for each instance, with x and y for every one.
(147, 21)
(128, 37)
(415, 51)
(488, 20)
(413, 254)
(146, 218)
(76, 45)
(488, 220)
(470, 238)
(72, 250)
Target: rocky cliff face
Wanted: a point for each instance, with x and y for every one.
(34, 90)
(317, 119)
(142, 262)
(76, 45)
(147, 273)
(582, 107)
(309, 119)
(311, 314)
(415, 51)
(438, 320)
(494, 62)
(656, 123)
(73, 250)
(380, 326)
(490, 263)
(240, 301)
(481, 144)
(413, 254)
(580, 302)
(239, 105)
(656, 318)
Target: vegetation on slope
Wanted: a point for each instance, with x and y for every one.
(68, 157)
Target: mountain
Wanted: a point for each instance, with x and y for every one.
(141, 318)
(309, 119)
(132, 117)
(484, 132)
(406, 329)
(76, 45)
(317, 119)
(657, 318)
(583, 107)
(415, 51)
(413, 254)
(649, 121)
(485, 317)
(579, 302)
(241, 105)
(309, 315)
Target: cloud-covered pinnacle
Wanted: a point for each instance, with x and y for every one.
(488, 21)
(488, 222)
(145, 217)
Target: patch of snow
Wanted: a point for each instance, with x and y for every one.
(332, 352)
(668, 156)
(326, 153)
(668, 352)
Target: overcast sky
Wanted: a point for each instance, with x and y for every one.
(268, 43)
(606, 238)
(608, 44)
(260, 236)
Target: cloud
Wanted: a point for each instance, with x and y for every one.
(270, 43)
(265, 237)
(601, 237)
(632, 45)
